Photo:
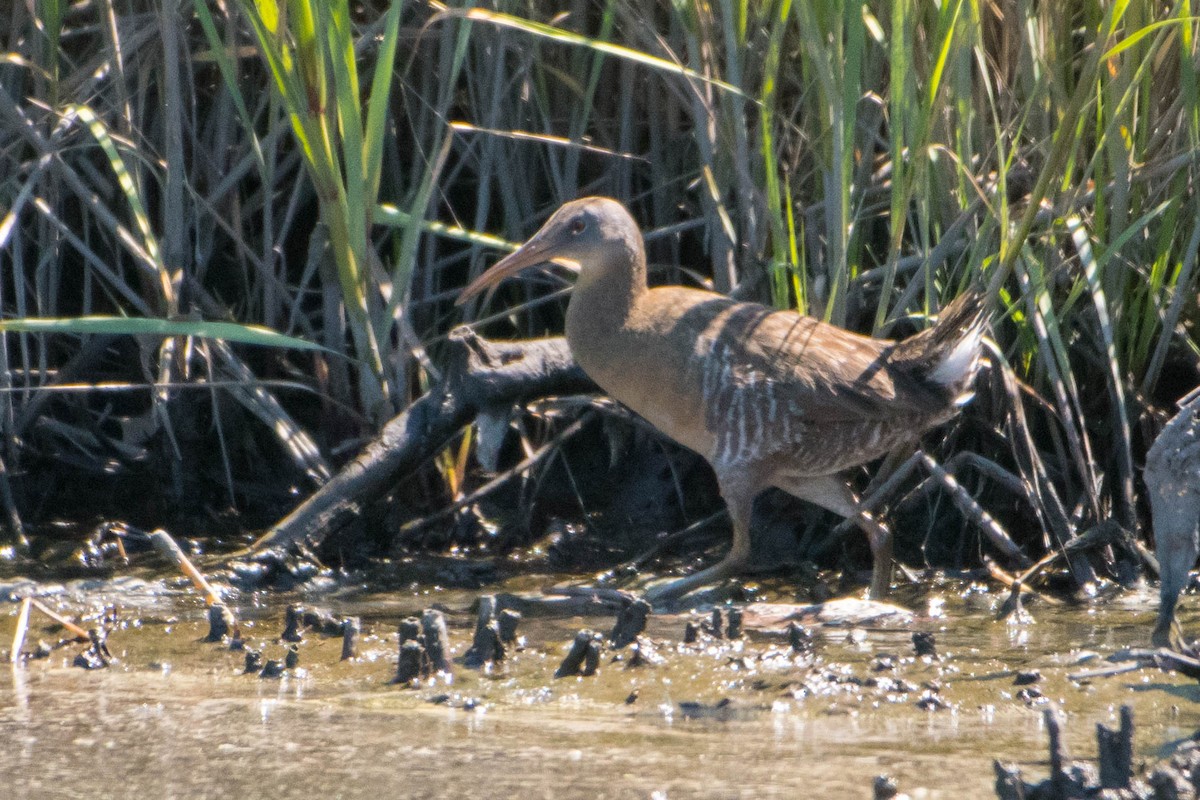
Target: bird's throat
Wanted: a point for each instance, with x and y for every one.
(602, 304)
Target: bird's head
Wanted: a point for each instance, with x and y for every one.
(588, 237)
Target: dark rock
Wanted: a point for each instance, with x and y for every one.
(291, 659)
(583, 657)
(414, 663)
(220, 622)
(644, 654)
(631, 621)
(885, 788)
(800, 638)
(351, 627)
(409, 629)
(1027, 677)
(723, 709)
(1116, 752)
(508, 620)
(272, 669)
(884, 662)
(591, 658)
(293, 624)
(931, 701)
(323, 621)
(97, 655)
(437, 640)
(716, 625)
(733, 630)
(486, 645)
(1032, 696)
(88, 659)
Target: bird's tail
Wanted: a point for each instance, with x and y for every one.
(947, 355)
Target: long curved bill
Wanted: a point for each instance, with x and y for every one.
(529, 254)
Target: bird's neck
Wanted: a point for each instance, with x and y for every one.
(608, 287)
(602, 303)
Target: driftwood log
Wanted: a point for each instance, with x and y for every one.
(481, 377)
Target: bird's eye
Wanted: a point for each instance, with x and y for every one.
(577, 225)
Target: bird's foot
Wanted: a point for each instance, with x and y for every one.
(1162, 638)
(1168, 633)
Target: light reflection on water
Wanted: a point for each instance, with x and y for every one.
(201, 729)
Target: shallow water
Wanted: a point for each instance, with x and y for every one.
(175, 717)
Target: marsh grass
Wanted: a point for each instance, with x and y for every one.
(335, 174)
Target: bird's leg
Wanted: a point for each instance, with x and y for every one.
(833, 493)
(739, 495)
(939, 477)
(880, 540)
(1176, 545)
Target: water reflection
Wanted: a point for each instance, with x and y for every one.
(202, 728)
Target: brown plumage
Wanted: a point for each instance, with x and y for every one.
(769, 398)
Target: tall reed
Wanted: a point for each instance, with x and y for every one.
(864, 163)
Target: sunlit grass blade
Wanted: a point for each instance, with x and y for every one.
(567, 37)
(144, 326)
(133, 196)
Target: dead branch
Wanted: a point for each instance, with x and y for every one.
(481, 376)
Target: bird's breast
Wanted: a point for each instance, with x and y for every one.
(652, 359)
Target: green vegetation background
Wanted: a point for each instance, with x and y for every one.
(319, 180)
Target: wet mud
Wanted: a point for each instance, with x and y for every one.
(501, 707)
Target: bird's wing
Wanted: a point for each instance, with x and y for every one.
(762, 380)
(823, 373)
(775, 379)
